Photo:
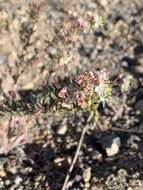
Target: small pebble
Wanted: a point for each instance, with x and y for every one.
(18, 180)
(7, 182)
(62, 130)
(78, 178)
(87, 175)
(1, 184)
(111, 144)
(129, 188)
(114, 148)
(2, 173)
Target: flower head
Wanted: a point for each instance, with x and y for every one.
(80, 79)
(12, 93)
(123, 81)
(63, 93)
(93, 88)
(126, 83)
(80, 24)
(64, 32)
(89, 89)
(81, 100)
(95, 20)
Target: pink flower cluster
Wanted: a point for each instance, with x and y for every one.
(64, 32)
(63, 93)
(12, 93)
(87, 85)
(81, 100)
(80, 24)
(89, 21)
(82, 79)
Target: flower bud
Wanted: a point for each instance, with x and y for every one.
(119, 79)
(64, 32)
(80, 24)
(81, 100)
(63, 93)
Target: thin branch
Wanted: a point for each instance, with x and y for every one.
(115, 129)
(119, 130)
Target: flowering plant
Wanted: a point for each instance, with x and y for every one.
(87, 90)
(84, 92)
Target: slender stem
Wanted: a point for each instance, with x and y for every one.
(77, 153)
(75, 157)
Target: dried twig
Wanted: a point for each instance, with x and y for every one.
(135, 131)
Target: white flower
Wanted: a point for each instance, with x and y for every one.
(101, 88)
(100, 91)
(98, 21)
